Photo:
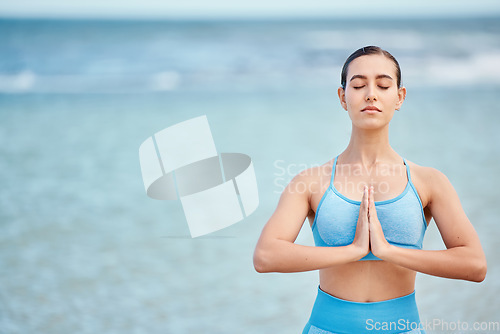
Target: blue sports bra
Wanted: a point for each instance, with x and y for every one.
(402, 218)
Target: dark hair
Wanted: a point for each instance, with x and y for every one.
(365, 51)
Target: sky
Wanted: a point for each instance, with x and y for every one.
(189, 9)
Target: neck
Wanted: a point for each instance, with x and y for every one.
(369, 146)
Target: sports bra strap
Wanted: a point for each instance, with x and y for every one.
(333, 171)
(407, 170)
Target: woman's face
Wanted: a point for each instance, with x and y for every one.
(371, 95)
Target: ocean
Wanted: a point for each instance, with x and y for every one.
(84, 250)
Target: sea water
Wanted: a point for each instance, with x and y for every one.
(84, 250)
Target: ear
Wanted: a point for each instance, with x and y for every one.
(401, 97)
(341, 93)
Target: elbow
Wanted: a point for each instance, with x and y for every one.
(261, 261)
(479, 271)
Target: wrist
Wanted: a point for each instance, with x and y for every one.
(384, 252)
(357, 251)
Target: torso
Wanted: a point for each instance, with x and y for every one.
(366, 281)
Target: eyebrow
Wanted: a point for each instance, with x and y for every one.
(380, 76)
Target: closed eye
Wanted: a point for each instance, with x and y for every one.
(383, 87)
(358, 87)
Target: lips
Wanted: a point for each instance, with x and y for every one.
(371, 109)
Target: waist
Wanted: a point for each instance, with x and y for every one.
(379, 280)
(337, 315)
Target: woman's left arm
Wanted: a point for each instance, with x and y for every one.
(463, 257)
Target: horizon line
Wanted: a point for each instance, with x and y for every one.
(243, 18)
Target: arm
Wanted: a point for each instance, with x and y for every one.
(276, 251)
(463, 258)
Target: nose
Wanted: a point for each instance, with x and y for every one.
(370, 95)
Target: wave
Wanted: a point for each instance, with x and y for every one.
(29, 82)
(417, 71)
(467, 71)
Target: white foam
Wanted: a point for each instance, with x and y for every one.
(165, 81)
(17, 83)
(482, 67)
(29, 82)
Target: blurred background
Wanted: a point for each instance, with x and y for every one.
(82, 85)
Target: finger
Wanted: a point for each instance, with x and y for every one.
(372, 211)
(364, 200)
(372, 201)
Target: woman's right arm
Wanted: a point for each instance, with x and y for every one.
(276, 250)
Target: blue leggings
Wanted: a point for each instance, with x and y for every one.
(331, 315)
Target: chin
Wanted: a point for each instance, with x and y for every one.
(372, 124)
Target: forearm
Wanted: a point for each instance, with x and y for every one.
(457, 262)
(285, 256)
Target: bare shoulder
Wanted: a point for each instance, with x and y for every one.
(299, 196)
(309, 185)
(428, 181)
(426, 173)
(311, 180)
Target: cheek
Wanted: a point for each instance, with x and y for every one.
(392, 98)
(396, 100)
(352, 97)
(396, 95)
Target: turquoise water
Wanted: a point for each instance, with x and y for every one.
(84, 250)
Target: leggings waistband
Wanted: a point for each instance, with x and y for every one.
(337, 315)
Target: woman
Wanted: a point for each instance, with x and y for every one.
(369, 209)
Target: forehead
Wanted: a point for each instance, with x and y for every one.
(371, 65)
